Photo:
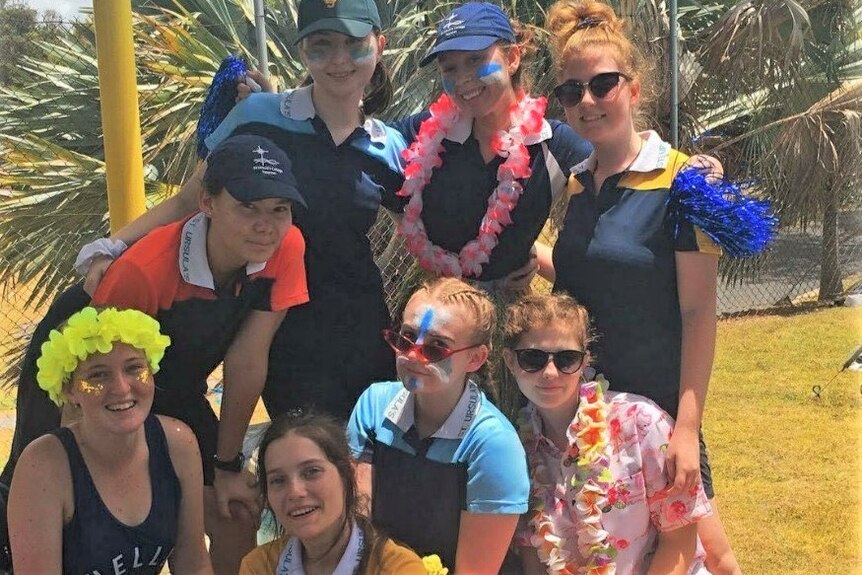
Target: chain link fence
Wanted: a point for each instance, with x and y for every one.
(35, 260)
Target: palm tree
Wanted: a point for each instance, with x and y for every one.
(781, 85)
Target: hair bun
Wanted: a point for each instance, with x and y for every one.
(588, 21)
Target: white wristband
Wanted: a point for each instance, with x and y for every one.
(100, 247)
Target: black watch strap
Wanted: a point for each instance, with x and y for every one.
(234, 464)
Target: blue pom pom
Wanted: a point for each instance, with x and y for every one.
(742, 226)
(220, 98)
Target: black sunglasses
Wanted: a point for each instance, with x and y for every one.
(427, 352)
(533, 360)
(571, 92)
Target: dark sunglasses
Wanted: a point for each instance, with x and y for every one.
(533, 360)
(571, 92)
(427, 352)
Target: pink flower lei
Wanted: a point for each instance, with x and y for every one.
(423, 156)
(590, 477)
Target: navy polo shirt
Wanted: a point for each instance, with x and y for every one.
(616, 255)
(343, 185)
(456, 198)
(327, 351)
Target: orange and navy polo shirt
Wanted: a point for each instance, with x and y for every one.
(167, 275)
(616, 255)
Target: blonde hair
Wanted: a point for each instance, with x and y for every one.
(579, 25)
(453, 291)
(539, 310)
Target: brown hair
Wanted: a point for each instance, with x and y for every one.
(578, 25)
(330, 437)
(454, 291)
(525, 39)
(540, 310)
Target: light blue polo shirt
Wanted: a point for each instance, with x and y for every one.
(476, 434)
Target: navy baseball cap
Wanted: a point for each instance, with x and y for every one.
(472, 26)
(252, 168)
(355, 18)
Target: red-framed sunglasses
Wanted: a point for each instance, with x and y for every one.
(426, 352)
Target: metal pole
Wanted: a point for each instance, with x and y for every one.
(260, 31)
(674, 76)
(121, 126)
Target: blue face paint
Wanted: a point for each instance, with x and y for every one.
(424, 325)
(448, 86)
(490, 73)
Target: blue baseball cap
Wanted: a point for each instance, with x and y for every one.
(473, 26)
(252, 168)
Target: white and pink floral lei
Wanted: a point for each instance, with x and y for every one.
(423, 156)
(588, 439)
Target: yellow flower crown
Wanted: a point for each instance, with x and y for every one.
(90, 331)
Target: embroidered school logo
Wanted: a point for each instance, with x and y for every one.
(265, 165)
(450, 24)
(329, 3)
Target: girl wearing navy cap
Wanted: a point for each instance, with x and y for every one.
(326, 352)
(219, 282)
(346, 164)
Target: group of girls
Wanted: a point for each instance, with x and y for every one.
(483, 170)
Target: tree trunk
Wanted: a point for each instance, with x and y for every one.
(830, 274)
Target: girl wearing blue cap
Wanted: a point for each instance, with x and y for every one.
(484, 167)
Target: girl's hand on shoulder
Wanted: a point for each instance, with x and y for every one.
(98, 267)
(254, 81)
(709, 166)
(521, 278)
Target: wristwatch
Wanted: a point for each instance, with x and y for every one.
(234, 464)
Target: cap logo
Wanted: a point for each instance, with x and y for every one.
(329, 3)
(450, 24)
(265, 165)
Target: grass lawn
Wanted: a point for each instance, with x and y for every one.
(786, 466)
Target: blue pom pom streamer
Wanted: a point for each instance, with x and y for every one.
(742, 226)
(220, 98)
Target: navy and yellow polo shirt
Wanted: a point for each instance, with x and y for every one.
(456, 198)
(166, 275)
(616, 255)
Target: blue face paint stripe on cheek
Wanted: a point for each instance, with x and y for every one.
(490, 73)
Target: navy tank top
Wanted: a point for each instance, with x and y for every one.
(97, 543)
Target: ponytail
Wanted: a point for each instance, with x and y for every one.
(378, 94)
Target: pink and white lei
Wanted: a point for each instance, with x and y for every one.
(589, 475)
(423, 156)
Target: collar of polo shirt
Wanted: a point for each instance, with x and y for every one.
(193, 262)
(463, 127)
(654, 155)
(402, 412)
(298, 105)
